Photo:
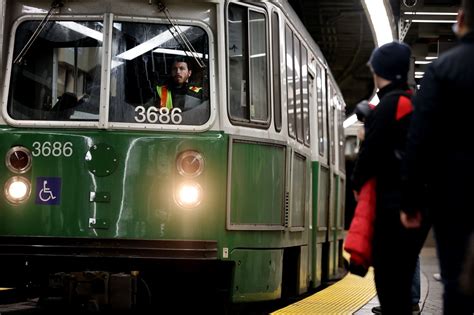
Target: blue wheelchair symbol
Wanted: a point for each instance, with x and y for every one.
(48, 190)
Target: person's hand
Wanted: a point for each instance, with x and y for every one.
(410, 221)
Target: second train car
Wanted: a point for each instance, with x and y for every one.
(110, 190)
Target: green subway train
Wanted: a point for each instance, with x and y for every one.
(151, 146)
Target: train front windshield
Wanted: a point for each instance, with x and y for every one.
(158, 73)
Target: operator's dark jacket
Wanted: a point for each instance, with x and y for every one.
(382, 149)
(440, 149)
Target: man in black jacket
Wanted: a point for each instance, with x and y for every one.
(440, 158)
(395, 249)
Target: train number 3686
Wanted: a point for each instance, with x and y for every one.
(55, 149)
(162, 115)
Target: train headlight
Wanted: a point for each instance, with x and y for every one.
(189, 195)
(18, 159)
(190, 163)
(17, 189)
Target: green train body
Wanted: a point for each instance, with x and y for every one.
(250, 185)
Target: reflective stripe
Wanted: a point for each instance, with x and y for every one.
(165, 97)
(195, 89)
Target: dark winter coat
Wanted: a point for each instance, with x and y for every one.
(384, 145)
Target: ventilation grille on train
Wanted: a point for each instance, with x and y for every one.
(287, 209)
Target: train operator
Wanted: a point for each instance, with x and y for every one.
(178, 92)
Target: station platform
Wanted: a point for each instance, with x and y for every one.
(357, 295)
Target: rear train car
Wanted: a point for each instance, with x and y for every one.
(109, 197)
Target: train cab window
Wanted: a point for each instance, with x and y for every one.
(58, 77)
(248, 65)
(159, 74)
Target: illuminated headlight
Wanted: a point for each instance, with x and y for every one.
(18, 159)
(17, 189)
(190, 163)
(189, 195)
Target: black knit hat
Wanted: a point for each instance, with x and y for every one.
(391, 61)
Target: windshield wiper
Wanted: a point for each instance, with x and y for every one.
(56, 4)
(184, 39)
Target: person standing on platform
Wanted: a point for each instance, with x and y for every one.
(363, 111)
(394, 248)
(440, 159)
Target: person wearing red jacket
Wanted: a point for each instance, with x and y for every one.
(394, 248)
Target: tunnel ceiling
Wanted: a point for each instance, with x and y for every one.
(343, 33)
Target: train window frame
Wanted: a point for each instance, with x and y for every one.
(103, 121)
(245, 119)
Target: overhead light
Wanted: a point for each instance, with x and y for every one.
(149, 44)
(431, 21)
(419, 72)
(178, 52)
(84, 30)
(26, 9)
(431, 57)
(422, 62)
(418, 76)
(430, 13)
(381, 25)
(380, 22)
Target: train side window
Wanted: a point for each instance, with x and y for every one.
(320, 110)
(58, 78)
(248, 65)
(331, 118)
(341, 134)
(305, 94)
(276, 70)
(290, 83)
(297, 79)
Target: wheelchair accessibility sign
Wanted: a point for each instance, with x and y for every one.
(48, 190)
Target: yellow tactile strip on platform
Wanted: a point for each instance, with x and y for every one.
(344, 297)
